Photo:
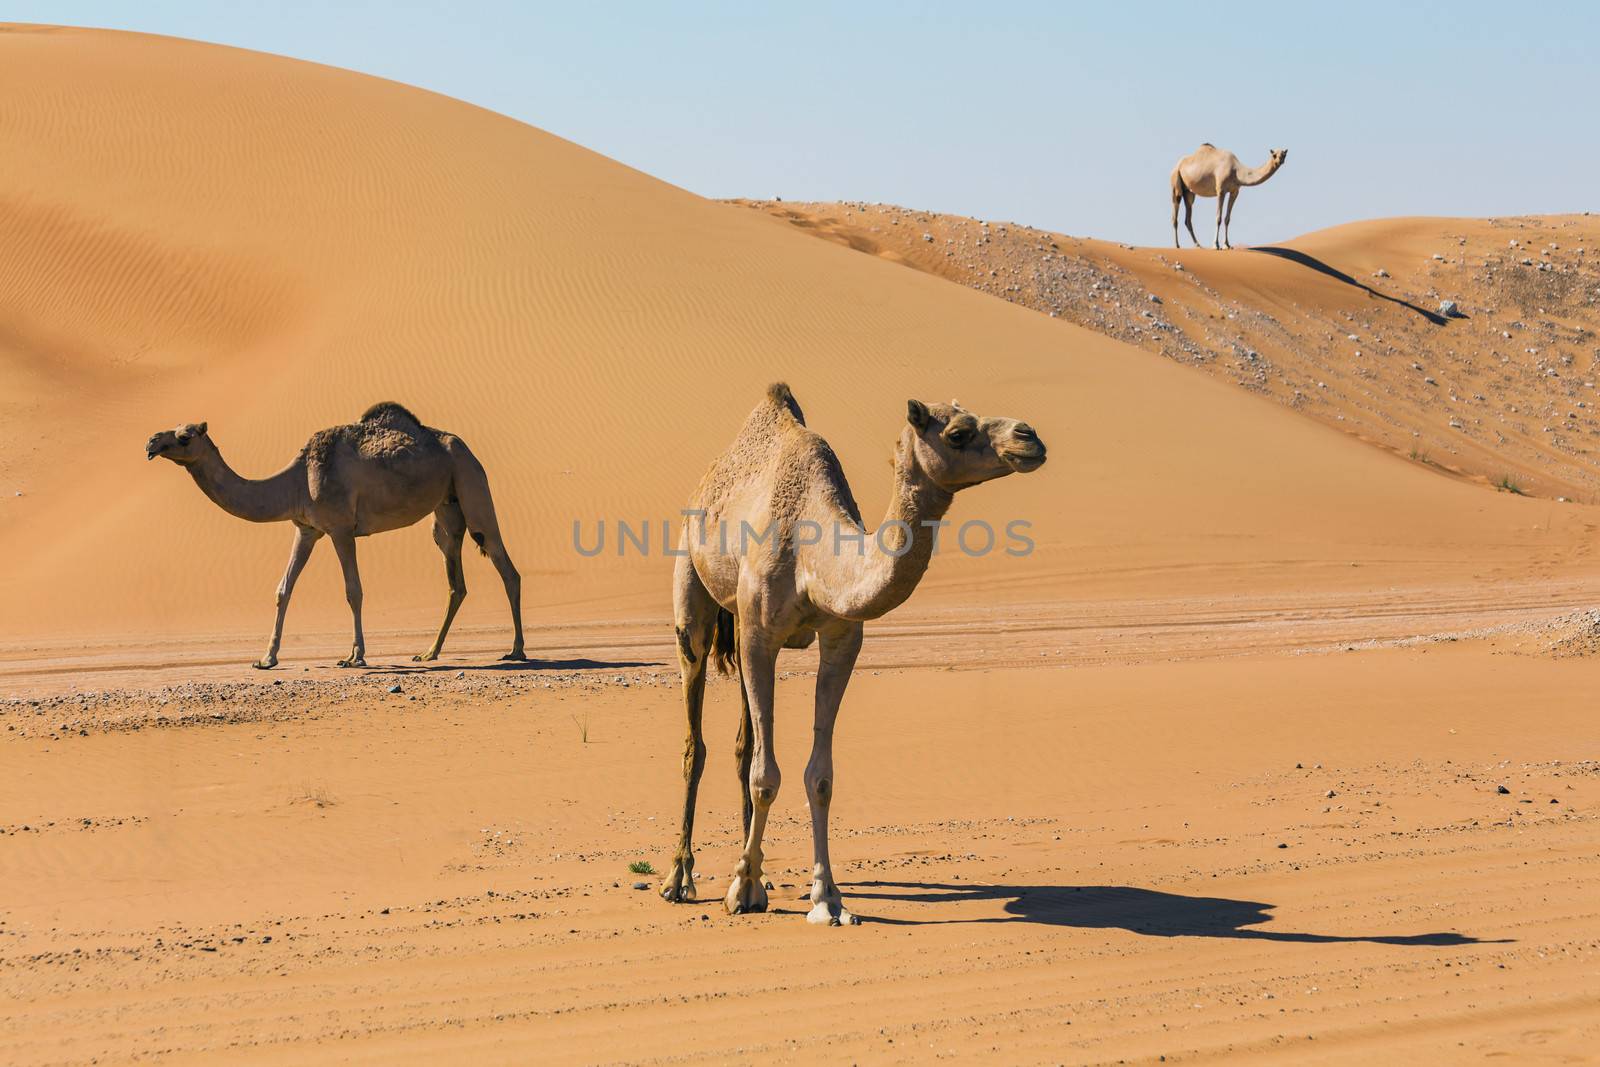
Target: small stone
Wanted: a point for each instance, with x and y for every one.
(928, 237)
(1502, 790)
(1330, 794)
(641, 885)
(395, 688)
(1449, 310)
(1282, 845)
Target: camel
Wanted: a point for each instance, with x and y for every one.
(381, 473)
(1209, 171)
(773, 555)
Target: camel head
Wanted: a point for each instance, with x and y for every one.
(183, 446)
(956, 448)
(1279, 157)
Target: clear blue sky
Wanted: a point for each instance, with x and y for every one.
(1051, 114)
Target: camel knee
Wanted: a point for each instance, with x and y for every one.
(764, 784)
(819, 786)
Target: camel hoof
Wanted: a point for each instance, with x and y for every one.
(353, 661)
(264, 664)
(514, 657)
(424, 657)
(746, 897)
(831, 913)
(678, 888)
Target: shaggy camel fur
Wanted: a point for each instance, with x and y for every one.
(807, 569)
(1209, 171)
(382, 473)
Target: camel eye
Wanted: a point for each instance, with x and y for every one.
(183, 438)
(959, 437)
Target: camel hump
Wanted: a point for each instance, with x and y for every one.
(1207, 144)
(780, 394)
(389, 412)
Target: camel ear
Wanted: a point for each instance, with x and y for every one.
(200, 429)
(917, 414)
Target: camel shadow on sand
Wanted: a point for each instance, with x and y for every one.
(1313, 263)
(1139, 911)
(549, 665)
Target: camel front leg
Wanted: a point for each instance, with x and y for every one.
(345, 545)
(1227, 222)
(305, 538)
(694, 619)
(839, 650)
(1175, 198)
(758, 662)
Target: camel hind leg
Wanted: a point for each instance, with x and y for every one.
(477, 508)
(1177, 195)
(1188, 215)
(449, 526)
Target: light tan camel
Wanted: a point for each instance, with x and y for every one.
(1209, 171)
(775, 554)
(382, 473)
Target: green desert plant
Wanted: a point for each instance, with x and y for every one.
(641, 867)
(1508, 484)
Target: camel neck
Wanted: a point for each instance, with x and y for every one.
(1257, 175)
(271, 499)
(878, 578)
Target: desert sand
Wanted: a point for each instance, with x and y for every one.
(1214, 773)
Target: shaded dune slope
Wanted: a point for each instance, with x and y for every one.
(1343, 325)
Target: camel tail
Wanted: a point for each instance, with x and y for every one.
(1178, 187)
(725, 644)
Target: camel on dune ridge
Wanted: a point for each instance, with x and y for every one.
(1209, 171)
(798, 579)
(381, 473)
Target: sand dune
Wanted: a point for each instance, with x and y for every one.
(1342, 325)
(195, 232)
(1212, 772)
